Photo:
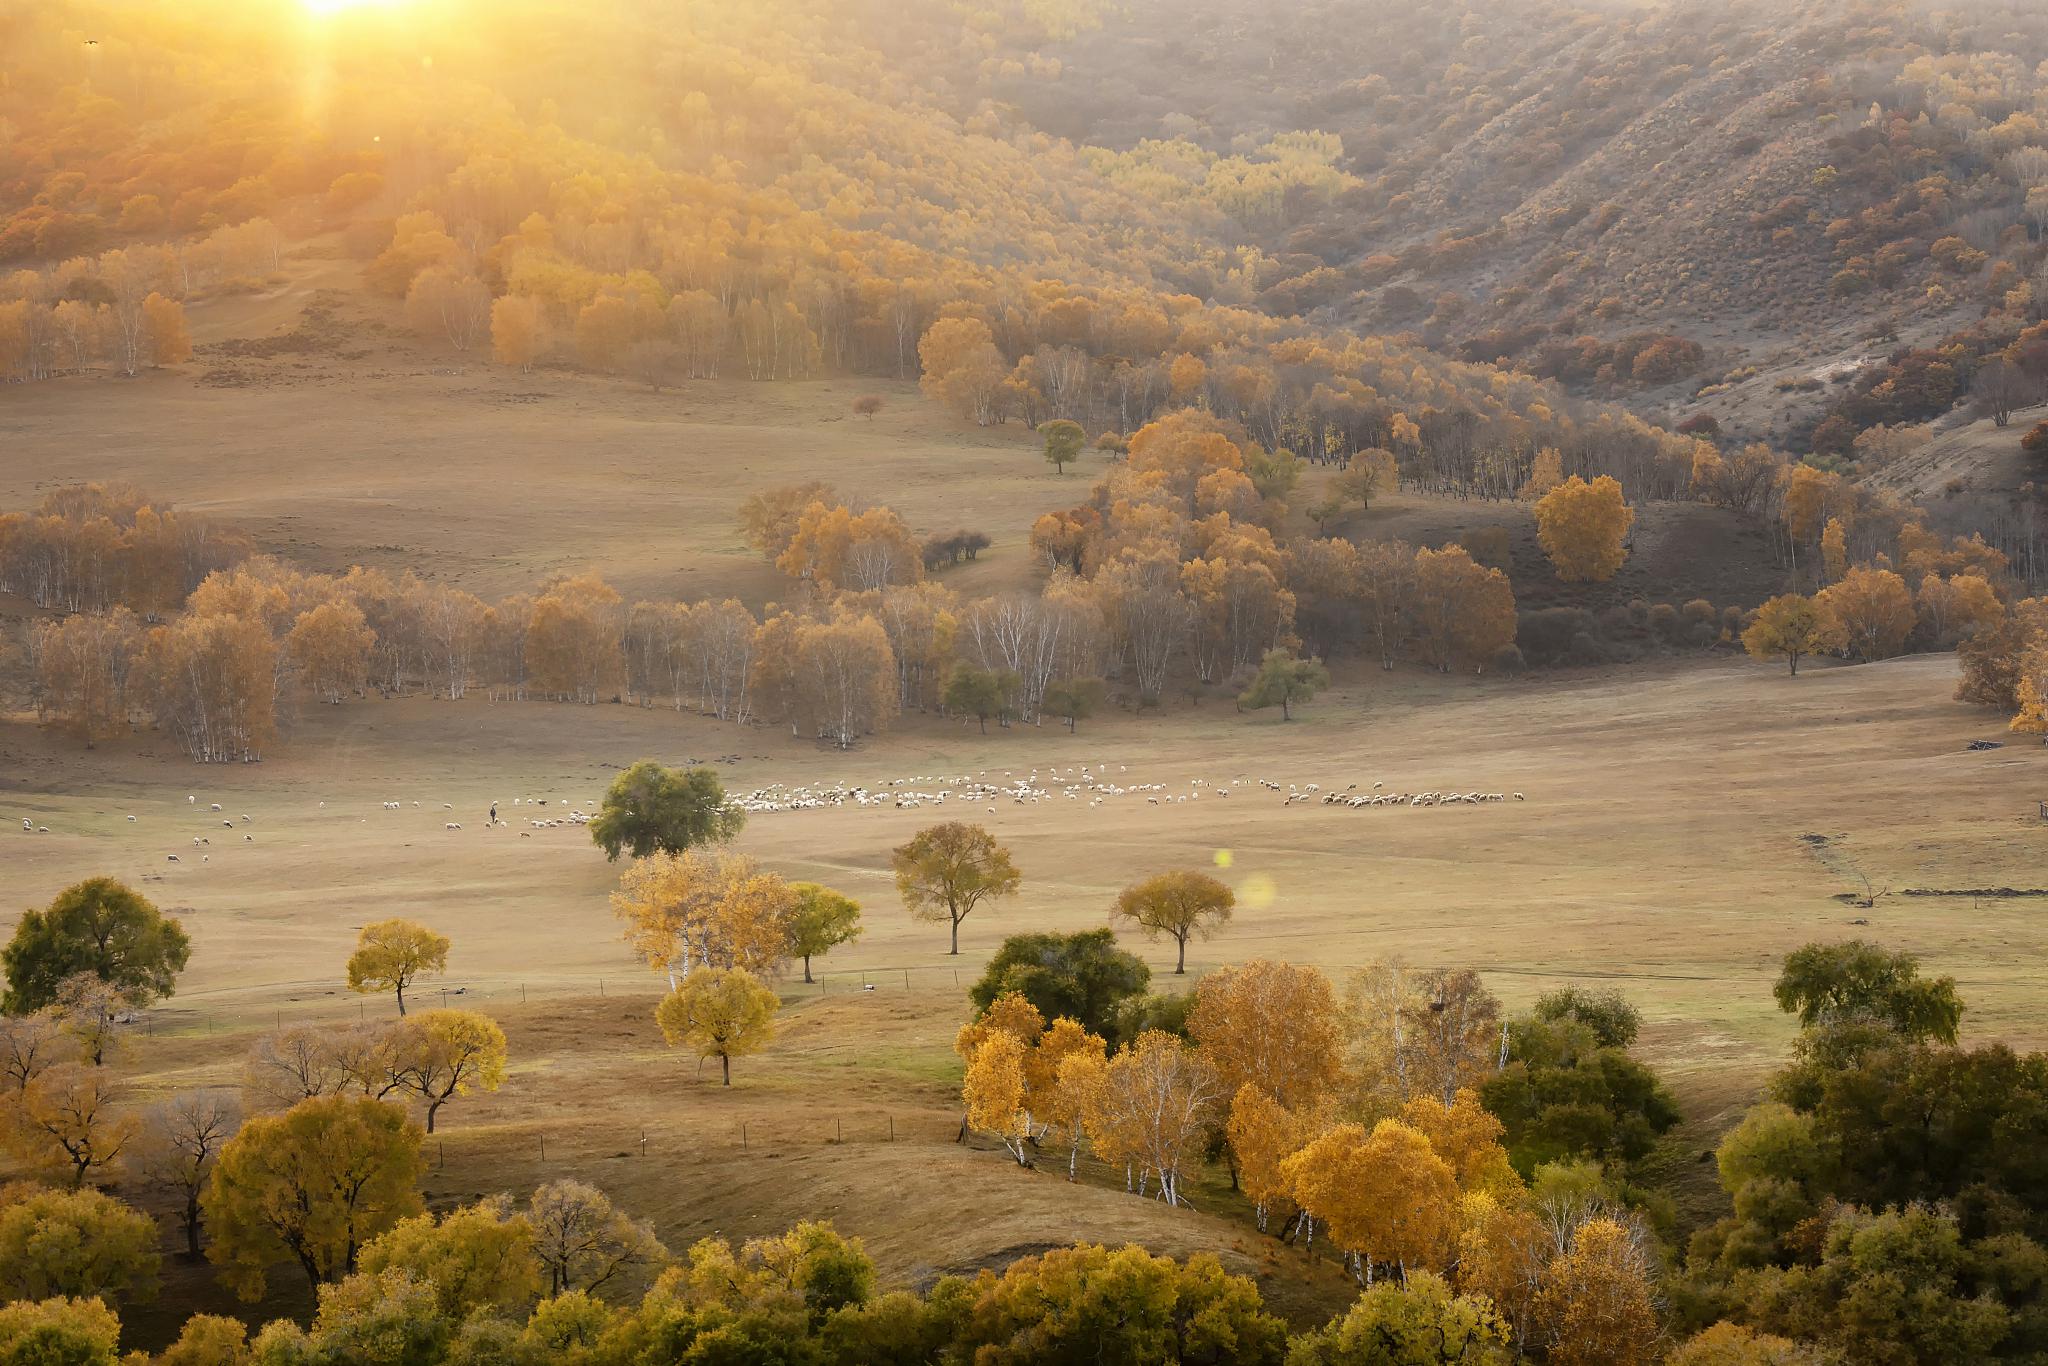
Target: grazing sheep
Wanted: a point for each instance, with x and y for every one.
(452, 826)
(131, 818)
(172, 857)
(28, 824)
(216, 806)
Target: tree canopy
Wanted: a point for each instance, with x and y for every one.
(1081, 976)
(651, 808)
(98, 926)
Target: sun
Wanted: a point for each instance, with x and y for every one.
(343, 6)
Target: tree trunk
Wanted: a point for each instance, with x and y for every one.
(956, 936)
(192, 1223)
(1180, 967)
(807, 971)
(724, 1062)
(433, 1108)
(401, 998)
(1285, 714)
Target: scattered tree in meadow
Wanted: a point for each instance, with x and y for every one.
(586, 1244)
(950, 869)
(699, 910)
(651, 808)
(440, 1054)
(1868, 613)
(720, 1012)
(1179, 905)
(1064, 441)
(390, 954)
(98, 926)
(867, 405)
(1082, 977)
(1859, 982)
(979, 693)
(175, 1150)
(77, 1243)
(1072, 700)
(1789, 627)
(310, 1186)
(1284, 680)
(1584, 528)
(821, 920)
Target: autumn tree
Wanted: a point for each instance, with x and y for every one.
(1064, 441)
(692, 910)
(1787, 626)
(867, 405)
(516, 331)
(1082, 976)
(1179, 905)
(178, 1144)
(768, 520)
(1272, 1025)
(210, 679)
(101, 927)
(1595, 1307)
(820, 920)
(1286, 680)
(651, 808)
(573, 639)
(721, 1012)
(1385, 1196)
(1463, 613)
(475, 1257)
(1868, 613)
(77, 1243)
(1454, 1025)
(30, 1045)
(1419, 1321)
(68, 1117)
(391, 953)
(948, 870)
(977, 692)
(846, 675)
(962, 368)
(440, 1054)
(331, 644)
(83, 663)
(1158, 1101)
(168, 339)
(1263, 1134)
(1584, 528)
(584, 1243)
(312, 1186)
(994, 1094)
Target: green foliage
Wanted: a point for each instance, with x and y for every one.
(980, 693)
(99, 926)
(652, 808)
(75, 1243)
(1063, 443)
(1282, 681)
(1162, 1011)
(1570, 1088)
(1072, 700)
(1420, 1323)
(823, 920)
(1859, 981)
(1081, 976)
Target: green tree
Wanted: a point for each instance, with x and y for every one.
(1568, 1092)
(1080, 976)
(1063, 443)
(391, 953)
(721, 1012)
(1284, 680)
(949, 869)
(312, 1186)
(1859, 981)
(1419, 1322)
(99, 926)
(78, 1243)
(1072, 700)
(1178, 905)
(651, 808)
(823, 920)
(976, 692)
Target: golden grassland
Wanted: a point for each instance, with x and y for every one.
(1661, 846)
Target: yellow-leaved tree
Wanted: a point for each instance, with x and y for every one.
(1790, 627)
(994, 1092)
(1869, 613)
(1263, 1134)
(1386, 1198)
(1180, 905)
(1584, 528)
(1595, 1307)
(720, 1012)
(702, 909)
(391, 953)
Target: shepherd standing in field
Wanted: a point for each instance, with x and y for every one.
(494, 813)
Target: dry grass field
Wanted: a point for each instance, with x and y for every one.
(1680, 828)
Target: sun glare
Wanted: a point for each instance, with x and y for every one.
(343, 6)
